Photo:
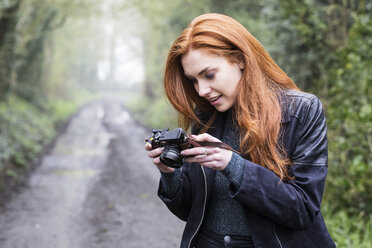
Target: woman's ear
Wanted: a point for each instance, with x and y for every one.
(241, 65)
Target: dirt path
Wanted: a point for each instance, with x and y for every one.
(96, 188)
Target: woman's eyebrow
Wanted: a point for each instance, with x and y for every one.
(188, 76)
(202, 71)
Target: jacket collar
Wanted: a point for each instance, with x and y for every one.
(284, 106)
(217, 127)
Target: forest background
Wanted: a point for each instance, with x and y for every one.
(57, 55)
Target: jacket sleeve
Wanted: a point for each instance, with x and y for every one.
(296, 203)
(179, 203)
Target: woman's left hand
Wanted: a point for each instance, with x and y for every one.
(212, 157)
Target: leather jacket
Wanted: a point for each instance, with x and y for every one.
(280, 214)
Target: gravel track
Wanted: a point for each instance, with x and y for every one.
(95, 188)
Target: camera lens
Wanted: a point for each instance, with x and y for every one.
(172, 156)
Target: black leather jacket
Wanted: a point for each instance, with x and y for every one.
(280, 214)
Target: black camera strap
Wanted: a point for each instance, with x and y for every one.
(209, 143)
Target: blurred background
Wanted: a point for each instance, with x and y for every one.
(57, 55)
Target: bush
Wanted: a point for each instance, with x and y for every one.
(349, 115)
(349, 231)
(24, 131)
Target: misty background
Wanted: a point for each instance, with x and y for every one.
(59, 55)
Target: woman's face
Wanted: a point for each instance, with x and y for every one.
(213, 76)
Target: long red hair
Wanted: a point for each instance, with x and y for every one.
(257, 108)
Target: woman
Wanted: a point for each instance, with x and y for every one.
(266, 193)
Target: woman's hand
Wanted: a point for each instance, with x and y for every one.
(155, 155)
(212, 157)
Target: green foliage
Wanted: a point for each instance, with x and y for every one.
(27, 28)
(8, 22)
(349, 231)
(24, 131)
(153, 113)
(43, 66)
(75, 63)
(326, 47)
(350, 123)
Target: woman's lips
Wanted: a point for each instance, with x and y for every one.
(215, 100)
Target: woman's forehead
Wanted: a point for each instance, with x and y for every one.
(195, 61)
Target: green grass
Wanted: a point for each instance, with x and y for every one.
(348, 231)
(26, 129)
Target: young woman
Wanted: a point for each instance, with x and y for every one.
(267, 193)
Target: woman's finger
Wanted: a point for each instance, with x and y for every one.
(197, 151)
(199, 158)
(157, 161)
(215, 158)
(205, 137)
(148, 146)
(155, 152)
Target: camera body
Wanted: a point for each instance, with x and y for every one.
(174, 142)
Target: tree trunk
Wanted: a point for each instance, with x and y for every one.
(8, 21)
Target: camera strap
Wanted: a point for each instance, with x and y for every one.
(209, 143)
(209, 122)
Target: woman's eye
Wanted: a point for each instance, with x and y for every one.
(193, 80)
(210, 75)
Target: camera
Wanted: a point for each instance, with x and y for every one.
(174, 142)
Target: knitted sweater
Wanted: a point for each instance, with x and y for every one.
(224, 215)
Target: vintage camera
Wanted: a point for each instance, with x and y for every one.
(174, 142)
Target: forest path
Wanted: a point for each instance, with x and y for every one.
(95, 188)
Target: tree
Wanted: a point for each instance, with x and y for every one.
(8, 20)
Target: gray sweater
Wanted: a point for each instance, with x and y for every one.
(224, 215)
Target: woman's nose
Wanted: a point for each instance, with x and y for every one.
(203, 89)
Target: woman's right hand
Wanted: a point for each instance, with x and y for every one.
(154, 154)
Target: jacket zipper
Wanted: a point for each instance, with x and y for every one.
(276, 236)
(205, 201)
